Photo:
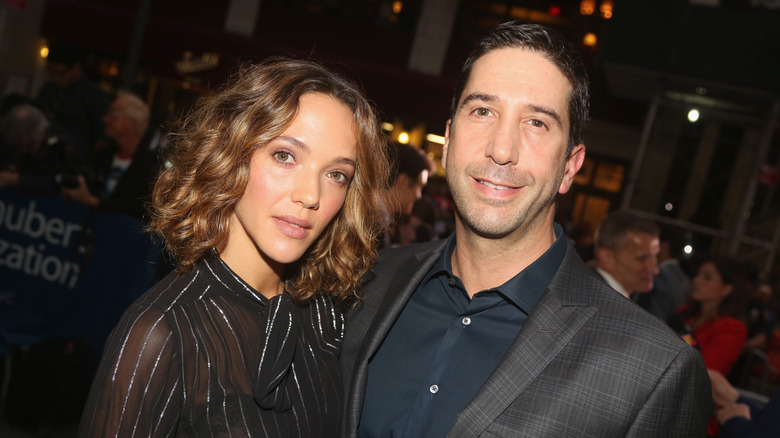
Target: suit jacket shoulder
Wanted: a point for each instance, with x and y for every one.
(589, 362)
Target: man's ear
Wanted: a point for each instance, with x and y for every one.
(605, 258)
(446, 144)
(572, 166)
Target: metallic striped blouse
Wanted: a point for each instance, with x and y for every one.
(205, 355)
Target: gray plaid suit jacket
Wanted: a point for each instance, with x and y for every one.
(587, 363)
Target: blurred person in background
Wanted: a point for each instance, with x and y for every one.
(30, 159)
(742, 417)
(122, 172)
(626, 251)
(408, 176)
(713, 320)
(715, 312)
(74, 104)
(271, 208)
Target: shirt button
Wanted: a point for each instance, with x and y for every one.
(466, 320)
(453, 282)
(434, 389)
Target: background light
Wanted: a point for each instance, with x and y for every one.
(433, 138)
(688, 249)
(587, 7)
(589, 39)
(44, 51)
(668, 206)
(403, 137)
(693, 115)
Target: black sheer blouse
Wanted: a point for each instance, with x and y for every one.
(205, 355)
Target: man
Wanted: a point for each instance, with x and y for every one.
(74, 104)
(502, 330)
(124, 171)
(626, 251)
(30, 159)
(408, 176)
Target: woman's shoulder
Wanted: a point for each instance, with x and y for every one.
(730, 323)
(173, 291)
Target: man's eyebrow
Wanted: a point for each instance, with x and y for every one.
(490, 98)
(547, 111)
(479, 96)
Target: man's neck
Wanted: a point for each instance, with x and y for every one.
(484, 263)
(127, 145)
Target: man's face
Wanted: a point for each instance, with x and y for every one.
(408, 190)
(634, 264)
(117, 123)
(505, 148)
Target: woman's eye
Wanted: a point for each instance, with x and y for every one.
(283, 156)
(339, 177)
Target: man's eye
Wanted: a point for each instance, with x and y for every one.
(482, 112)
(537, 123)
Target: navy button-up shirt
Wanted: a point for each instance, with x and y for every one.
(444, 346)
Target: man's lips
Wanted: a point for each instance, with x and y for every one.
(494, 185)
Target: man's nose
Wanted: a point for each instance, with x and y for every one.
(504, 144)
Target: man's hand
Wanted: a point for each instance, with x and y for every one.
(723, 394)
(81, 194)
(732, 410)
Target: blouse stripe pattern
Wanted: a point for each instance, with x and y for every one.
(204, 355)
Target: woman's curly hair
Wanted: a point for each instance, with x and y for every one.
(209, 159)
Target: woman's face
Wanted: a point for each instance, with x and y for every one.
(297, 183)
(708, 285)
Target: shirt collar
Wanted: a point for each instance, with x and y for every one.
(527, 287)
(614, 284)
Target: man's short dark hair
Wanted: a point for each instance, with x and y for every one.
(408, 160)
(548, 43)
(614, 229)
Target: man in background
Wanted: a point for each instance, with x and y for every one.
(408, 175)
(73, 103)
(123, 172)
(626, 251)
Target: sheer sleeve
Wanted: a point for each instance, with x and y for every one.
(137, 390)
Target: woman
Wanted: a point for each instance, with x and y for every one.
(714, 313)
(270, 206)
(714, 316)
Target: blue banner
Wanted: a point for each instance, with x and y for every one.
(66, 272)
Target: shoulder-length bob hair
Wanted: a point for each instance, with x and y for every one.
(209, 159)
(732, 272)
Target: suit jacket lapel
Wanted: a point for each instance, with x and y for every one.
(558, 316)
